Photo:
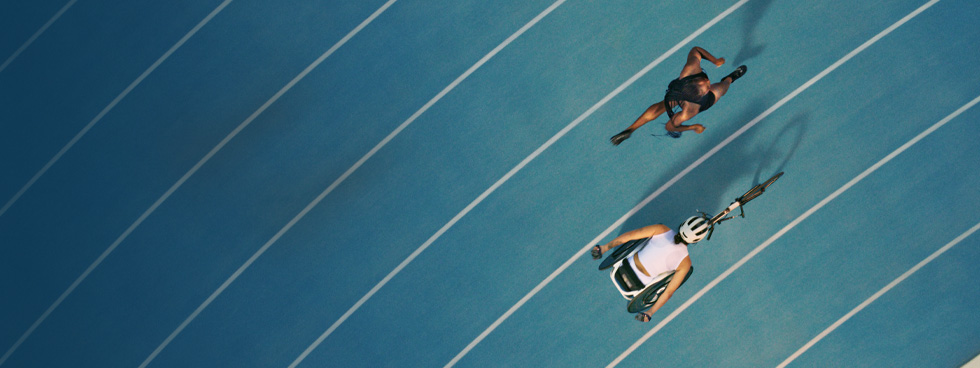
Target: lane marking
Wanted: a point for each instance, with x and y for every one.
(385, 141)
(504, 179)
(435, 99)
(878, 294)
(78, 136)
(228, 138)
(109, 107)
(35, 36)
(191, 172)
(585, 249)
(780, 233)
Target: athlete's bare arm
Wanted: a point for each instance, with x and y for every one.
(675, 124)
(679, 275)
(693, 65)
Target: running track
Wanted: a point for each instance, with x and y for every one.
(404, 183)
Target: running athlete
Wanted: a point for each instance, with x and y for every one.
(666, 250)
(688, 95)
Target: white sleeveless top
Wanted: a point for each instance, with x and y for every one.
(660, 255)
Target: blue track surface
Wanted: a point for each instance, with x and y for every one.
(175, 240)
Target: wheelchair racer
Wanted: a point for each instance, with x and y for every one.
(666, 250)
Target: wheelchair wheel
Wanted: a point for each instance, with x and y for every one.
(650, 294)
(621, 252)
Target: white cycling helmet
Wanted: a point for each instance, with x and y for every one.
(693, 230)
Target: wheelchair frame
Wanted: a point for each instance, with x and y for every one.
(642, 299)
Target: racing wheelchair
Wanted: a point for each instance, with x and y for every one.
(640, 296)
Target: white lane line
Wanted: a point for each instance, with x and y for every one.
(438, 97)
(507, 177)
(385, 141)
(35, 36)
(636, 208)
(878, 295)
(647, 200)
(109, 107)
(68, 146)
(191, 172)
(780, 233)
(228, 138)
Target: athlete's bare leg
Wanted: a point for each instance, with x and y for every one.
(720, 88)
(651, 113)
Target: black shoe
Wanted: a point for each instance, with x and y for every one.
(619, 138)
(738, 73)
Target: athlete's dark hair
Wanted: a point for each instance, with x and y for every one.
(691, 91)
(678, 91)
(679, 240)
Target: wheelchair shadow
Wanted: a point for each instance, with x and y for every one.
(706, 191)
(750, 46)
(796, 129)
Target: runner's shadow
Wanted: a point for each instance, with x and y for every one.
(795, 129)
(750, 46)
(707, 187)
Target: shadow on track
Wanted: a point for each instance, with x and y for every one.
(705, 188)
(750, 46)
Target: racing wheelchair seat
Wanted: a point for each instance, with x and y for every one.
(640, 296)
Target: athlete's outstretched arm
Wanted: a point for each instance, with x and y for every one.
(675, 124)
(643, 232)
(693, 64)
(679, 275)
(701, 53)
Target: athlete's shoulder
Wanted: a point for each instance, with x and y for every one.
(659, 229)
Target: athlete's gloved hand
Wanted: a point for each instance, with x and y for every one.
(642, 317)
(619, 138)
(596, 252)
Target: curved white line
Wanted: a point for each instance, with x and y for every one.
(78, 136)
(877, 295)
(385, 141)
(36, 35)
(109, 107)
(646, 201)
(191, 172)
(268, 103)
(780, 233)
(636, 208)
